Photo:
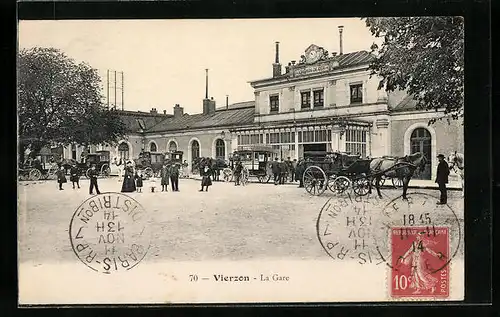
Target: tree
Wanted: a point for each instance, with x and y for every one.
(425, 57)
(60, 103)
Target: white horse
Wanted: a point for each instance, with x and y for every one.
(457, 165)
(119, 165)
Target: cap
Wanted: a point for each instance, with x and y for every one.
(440, 156)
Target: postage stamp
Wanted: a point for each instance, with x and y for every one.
(109, 233)
(419, 262)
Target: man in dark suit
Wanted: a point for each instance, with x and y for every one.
(174, 176)
(93, 173)
(442, 179)
(275, 166)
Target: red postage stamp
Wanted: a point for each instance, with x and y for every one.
(420, 262)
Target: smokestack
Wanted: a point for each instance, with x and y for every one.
(341, 29)
(206, 83)
(277, 58)
(227, 101)
(276, 64)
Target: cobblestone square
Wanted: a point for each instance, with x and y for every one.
(257, 221)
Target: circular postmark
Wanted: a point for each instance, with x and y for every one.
(109, 233)
(344, 227)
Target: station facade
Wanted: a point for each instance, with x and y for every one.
(323, 102)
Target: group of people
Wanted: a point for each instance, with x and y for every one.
(288, 170)
(75, 178)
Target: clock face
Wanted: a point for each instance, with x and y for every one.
(312, 56)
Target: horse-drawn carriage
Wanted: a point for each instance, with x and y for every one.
(40, 166)
(150, 163)
(101, 160)
(256, 161)
(341, 171)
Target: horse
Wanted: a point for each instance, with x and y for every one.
(402, 168)
(457, 161)
(119, 164)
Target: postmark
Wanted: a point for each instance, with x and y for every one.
(109, 233)
(419, 262)
(344, 228)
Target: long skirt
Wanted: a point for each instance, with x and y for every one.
(128, 185)
(206, 181)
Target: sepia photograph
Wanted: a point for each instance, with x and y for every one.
(241, 160)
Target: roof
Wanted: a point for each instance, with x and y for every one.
(239, 105)
(406, 103)
(136, 121)
(344, 60)
(220, 118)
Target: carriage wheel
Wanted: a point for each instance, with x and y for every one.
(361, 186)
(315, 180)
(228, 174)
(397, 182)
(105, 170)
(261, 178)
(34, 174)
(87, 173)
(331, 182)
(148, 172)
(341, 184)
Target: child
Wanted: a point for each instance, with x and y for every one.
(205, 180)
(138, 180)
(61, 177)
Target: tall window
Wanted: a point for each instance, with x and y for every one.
(421, 141)
(152, 147)
(355, 142)
(123, 151)
(305, 100)
(357, 93)
(172, 147)
(220, 149)
(318, 98)
(195, 149)
(274, 102)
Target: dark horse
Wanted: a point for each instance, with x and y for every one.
(215, 165)
(402, 168)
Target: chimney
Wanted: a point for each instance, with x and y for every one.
(153, 111)
(164, 111)
(341, 29)
(178, 111)
(208, 106)
(206, 83)
(277, 65)
(227, 101)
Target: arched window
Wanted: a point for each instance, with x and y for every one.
(220, 149)
(152, 147)
(123, 151)
(420, 141)
(195, 149)
(172, 146)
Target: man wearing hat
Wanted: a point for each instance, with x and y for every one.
(442, 179)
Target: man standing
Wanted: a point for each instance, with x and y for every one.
(442, 179)
(294, 170)
(93, 180)
(61, 177)
(238, 168)
(75, 175)
(282, 166)
(275, 166)
(174, 176)
(289, 169)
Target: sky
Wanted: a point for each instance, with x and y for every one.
(164, 61)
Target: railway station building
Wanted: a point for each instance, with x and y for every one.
(322, 102)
